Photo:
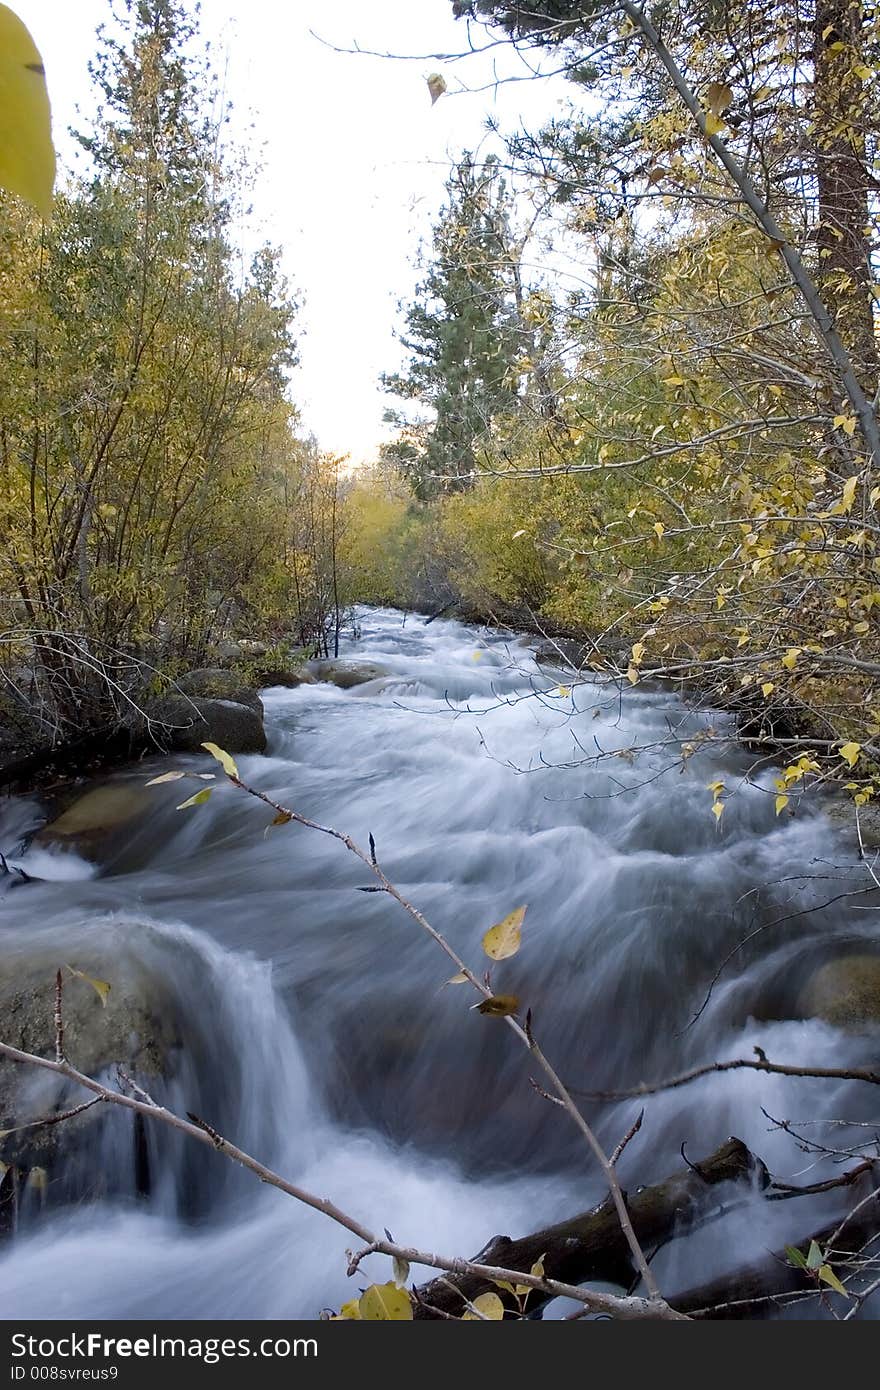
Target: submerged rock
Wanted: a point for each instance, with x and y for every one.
(98, 821)
(844, 992)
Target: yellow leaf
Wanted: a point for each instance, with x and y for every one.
(101, 987)
(198, 800)
(767, 688)
(638, 652)
(436, 86)
(499, 1005)
(401, 1271)
(717, 809)
(716, 787)
(351, 1310)
(847, 423)
(505, 938)
(789, 661)
(227, 761)
(385, 1303)
(850, 753)
(718, 97)
(283, 818)
(563, 690)
(827, 1275)
(632, 675)
(516, 535)
(166, 777)
(714, 124)
(459, 979)
(27, 156)
(848, 496)
(490, 1305)
(781, 803)
(720, 599)
(659, 528)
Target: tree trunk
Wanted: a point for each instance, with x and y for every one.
(842, 181)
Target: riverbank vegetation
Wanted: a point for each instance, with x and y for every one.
(639, 399)
(155, 495)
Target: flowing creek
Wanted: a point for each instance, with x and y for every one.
(313, 1026)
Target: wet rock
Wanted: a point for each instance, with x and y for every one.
(136, 1029)
(93, 818)
(290, 678)
(214, 683)
(844, 992)
(185, 723)
(840, 809)
(97, 822)
(345, 674)
(229, 651)
(562, 651)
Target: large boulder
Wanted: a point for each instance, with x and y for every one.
(214, 683)
(844, 992)
(345, 673)
(184, 723)
(137, 1027)
(862, 832)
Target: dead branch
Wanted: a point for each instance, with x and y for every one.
(760, 1063)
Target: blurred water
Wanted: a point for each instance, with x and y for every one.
(319, 1035)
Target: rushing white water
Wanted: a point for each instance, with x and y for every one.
(318, 1032)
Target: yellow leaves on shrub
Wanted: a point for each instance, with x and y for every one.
(486, 1306)
(378, 1303)
(789, 661)
(781, 802)
(638, 656)
(505, 938)
(716, 788)
(718, 97)
(27, 156)
(850, 753)
(847, 423)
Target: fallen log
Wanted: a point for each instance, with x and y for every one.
(763, 1288)
(591, 1245)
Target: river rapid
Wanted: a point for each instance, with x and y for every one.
(318, 1033)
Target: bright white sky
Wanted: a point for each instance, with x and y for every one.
(354, 160)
